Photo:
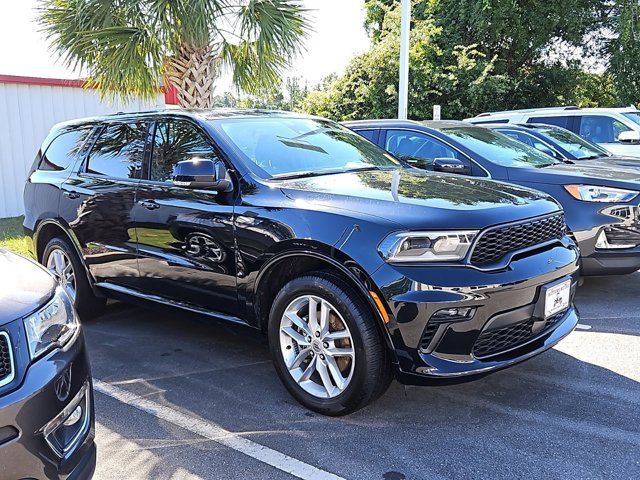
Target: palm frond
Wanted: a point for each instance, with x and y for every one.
(270, 34)
(126, 46)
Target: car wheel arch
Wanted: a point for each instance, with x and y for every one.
(269, 281)
(51, 228)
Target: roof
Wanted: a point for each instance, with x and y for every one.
(51, 82)
(203, 114)
(391, 123)
(558, 110)
(522, 126)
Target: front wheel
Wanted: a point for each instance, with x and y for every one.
(326, 346)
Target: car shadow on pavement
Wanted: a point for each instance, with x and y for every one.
(567, 412)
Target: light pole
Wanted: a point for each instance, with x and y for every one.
(403, 91)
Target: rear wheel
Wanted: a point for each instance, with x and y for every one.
(61, 259)
(326, 346)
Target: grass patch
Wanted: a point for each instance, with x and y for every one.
(12, 236)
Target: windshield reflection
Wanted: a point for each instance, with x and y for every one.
(296, 147)
(499, 148)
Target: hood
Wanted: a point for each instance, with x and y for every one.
(417, 199)
(622, 161)
(24, 286)
(593, 172)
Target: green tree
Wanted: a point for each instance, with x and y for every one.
(625, 52)
(469, 57)
(130, 47)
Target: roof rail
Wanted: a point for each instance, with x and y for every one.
(528, 110)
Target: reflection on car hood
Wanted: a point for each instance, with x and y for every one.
(418, 199)
(24, 286)
(600, 172)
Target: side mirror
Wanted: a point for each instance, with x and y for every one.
(630, 136)
(201, 173)
(451, 165)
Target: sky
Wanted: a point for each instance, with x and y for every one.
(338, 35)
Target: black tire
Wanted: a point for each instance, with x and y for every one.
(372, 369)
(87, 304)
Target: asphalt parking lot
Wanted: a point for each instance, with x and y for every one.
(179, 398)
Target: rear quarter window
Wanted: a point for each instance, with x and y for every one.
(63, 151)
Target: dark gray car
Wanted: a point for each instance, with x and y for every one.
(46, 403)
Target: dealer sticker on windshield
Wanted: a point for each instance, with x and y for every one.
(557, 298)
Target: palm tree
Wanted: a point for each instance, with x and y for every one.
(132, 47)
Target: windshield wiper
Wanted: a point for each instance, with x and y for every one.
(319, 173)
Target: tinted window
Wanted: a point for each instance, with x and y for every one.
(63, 151)
(498, 148)
(416, 148)
(557, 121)
(601, 129)
(368, 134)
(575, 145)
(284, 146)
(174, 142)
(119, 151)
(528, 139)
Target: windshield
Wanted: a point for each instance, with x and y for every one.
(575, 145)
(295, 147)
(633, 116)
(499, 148)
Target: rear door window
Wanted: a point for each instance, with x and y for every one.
(417, 149)
(63, 151)
(119, 151)
(601, 129)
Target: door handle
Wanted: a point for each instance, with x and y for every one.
(148, 204)
(71, 195)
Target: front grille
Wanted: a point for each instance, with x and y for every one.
(6, 366)
(497, 242)
(494, 342)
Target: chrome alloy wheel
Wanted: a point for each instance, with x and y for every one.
(317, 346)
(59, 264)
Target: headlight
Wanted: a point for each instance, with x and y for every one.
(593, 193)
(426, 246)
(51, 326)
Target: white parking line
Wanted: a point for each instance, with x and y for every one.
(217, 434)
(583, 326)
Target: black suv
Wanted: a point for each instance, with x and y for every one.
(354, 265)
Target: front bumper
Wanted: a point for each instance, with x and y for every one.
(504, 300)
(615, 226)
(34, 409)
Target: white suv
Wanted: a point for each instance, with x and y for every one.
(616, 129)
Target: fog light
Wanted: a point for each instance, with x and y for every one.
(71, 426)
(74, 418)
